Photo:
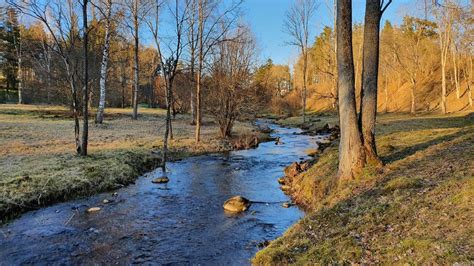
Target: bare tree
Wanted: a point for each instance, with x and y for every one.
(351, 152)
(368, 107)
(297, 25)
(106, 5)
(60, 20)
(233, 94)
(444, 16)
(169, 56)
(85, 87)
(215, 20)
(136, 10)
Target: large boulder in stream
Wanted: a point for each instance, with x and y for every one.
(237, 204)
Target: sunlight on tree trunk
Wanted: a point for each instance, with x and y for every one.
(351, 153)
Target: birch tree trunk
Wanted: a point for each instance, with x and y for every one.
(351, 152)
(104, 64)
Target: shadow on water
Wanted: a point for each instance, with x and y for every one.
(181, 222)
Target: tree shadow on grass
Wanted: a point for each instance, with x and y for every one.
(398, 155)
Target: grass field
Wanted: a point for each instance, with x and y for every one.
(39, 165)
(418, 209)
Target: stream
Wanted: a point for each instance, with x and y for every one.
(181, 222)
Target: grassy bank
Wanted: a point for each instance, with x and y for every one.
(39, 166)
(417, 209)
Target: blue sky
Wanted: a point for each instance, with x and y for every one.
(266, 20)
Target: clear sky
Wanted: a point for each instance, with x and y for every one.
(266, 20)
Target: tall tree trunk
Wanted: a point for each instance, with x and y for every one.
(104, 64)
(168, 125)
(199, 71)
(336, 92)
(456, 74)
(305, 70)
(386, 95)
(370, 69)
(136, 62)
(351, 152)
(20, 81)
(469, 83)
(413, 99)
(85, 92)
(443, 86)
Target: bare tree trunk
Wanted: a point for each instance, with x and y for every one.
(386, 95)
(443, 85)
(199, 71)
(136, 62)
(469, 82)
(305, 69)
(168, 125)
(413, 100)
(370, 69)
(85, 92)
(336, 92)
(351, 152)
(456, 74)
(104, 64)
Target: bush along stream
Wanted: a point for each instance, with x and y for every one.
(182, 221)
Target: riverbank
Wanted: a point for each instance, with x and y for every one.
(415, 210)
(39, 165)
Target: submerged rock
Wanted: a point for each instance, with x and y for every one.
(93, 209)
(161, 180)
(281, 180)
(236, 204)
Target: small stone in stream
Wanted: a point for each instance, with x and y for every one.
(160, 180)
(281, 180)
(286, 205)
(278, 142)
(115, 194)
(93, 209)
(105, 201)
(285, 187)
(236, 204)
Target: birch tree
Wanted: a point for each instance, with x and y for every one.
(297, 26)
(107, 13)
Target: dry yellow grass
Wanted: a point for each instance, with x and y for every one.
(417, 210)
(39, 165)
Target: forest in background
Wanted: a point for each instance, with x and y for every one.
(416, 57)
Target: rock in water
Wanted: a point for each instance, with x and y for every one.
(236, 204)
(93, 209)
(281, 180)
(160, 180)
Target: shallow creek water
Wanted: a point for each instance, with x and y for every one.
(182, 222)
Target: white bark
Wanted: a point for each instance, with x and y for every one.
(104, 64)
